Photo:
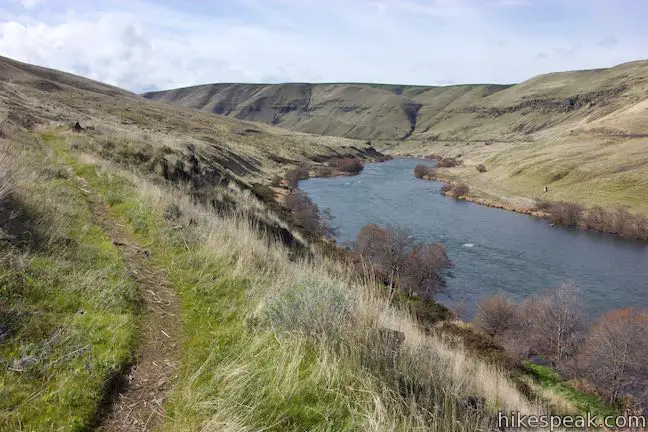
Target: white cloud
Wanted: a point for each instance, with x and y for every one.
(141, 45)
(28, 4)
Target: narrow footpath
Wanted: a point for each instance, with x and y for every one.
(134, 401)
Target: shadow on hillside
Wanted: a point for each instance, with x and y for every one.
(19, 225)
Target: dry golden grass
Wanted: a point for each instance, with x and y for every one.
(581, 133)
(369, 113)
(451, 113)
(6, 172)
(37, 97)
(271, 339)
(296, 307)
(589, 170)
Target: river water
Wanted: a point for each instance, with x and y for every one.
(493, 250)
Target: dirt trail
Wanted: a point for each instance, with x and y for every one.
(135, 401)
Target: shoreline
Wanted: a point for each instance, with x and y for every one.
(489, 202)
(540, 214)
(313, 173)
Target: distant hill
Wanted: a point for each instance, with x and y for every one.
(584, 134)
(601, 98)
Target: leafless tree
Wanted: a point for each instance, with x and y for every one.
(307, 214)
(461, 189)
(596, 218)
(495, 315)
(642, 228)
(414, 267)
(351, 165)
(449, 162)
(615, 352)
(521, 338)
(621, 220)
(446, 188)
(421, 171)
(566, 213)
(559, 323)
(421, 270)
(550, 325)
(387, 248)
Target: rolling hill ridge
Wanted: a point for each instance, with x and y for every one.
(461, 112)
(583, 134)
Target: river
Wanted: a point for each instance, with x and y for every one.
(493, 250)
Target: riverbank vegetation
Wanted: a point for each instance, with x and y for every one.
(616, 220)
(422, 171)
(293, 176)
(451, 189)
(605, 357)
(444, 162)
(307, 216)
(402, 262)
(449, 162)
(351, 165)
(455, 190)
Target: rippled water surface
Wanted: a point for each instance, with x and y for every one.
(493, 250)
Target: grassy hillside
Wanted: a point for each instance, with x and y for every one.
(35, 97)
(147, 286)
(569, 100)
(350, 110)
(582, 133)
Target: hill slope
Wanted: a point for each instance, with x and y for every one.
(32, 96)
(582, 133)
(465, 112)
(145, 284)
(350, 110)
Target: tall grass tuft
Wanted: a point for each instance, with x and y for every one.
(7, 169)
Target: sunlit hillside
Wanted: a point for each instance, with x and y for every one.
(582, 133)
(149, 279)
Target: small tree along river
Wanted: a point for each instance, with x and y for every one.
(493, 250)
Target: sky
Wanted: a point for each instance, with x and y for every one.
(145, 45)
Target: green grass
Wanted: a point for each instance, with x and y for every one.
(582, 169)
(282, 381)
(252, 353)
(268, 342)
(584, 402)
(70, 307)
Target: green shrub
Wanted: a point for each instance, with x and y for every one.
(316, 308)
